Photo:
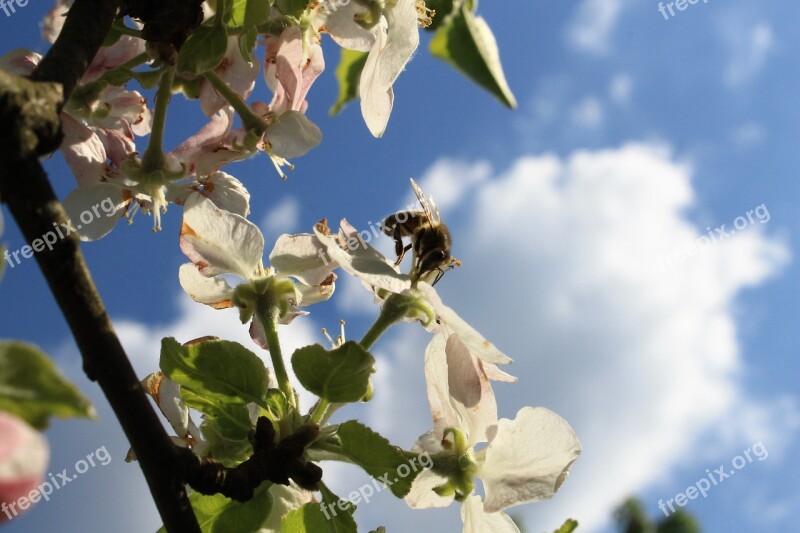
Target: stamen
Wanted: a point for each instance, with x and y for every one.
(424, 14)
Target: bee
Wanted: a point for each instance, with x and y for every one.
(430, 239)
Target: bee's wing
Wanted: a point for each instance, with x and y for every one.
(426, 208)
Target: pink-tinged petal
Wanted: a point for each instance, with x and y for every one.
(123, 110)
(23, 459)
(83, 151)
(20, 62)
(451, 322)
(297, 66)
(339, 21)
(95, 209)
(476, 520)
(258, 335)
(292, 135)
(397, 39)
(352, 253)
(528, 458)
(118, 144)
(301, 256)
(214, 292)
(239, 74)
(109, 58)
(218, 241)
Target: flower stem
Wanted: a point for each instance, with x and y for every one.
(250, 120)
(392, 311)
(270, 324)
(153, 158)
(320, 410)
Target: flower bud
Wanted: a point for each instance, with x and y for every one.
(23, 460)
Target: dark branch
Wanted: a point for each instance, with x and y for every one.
(30, 125)
(270, 462)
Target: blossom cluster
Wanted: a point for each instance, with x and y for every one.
(521, 460)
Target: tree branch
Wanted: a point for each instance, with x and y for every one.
(30, 129)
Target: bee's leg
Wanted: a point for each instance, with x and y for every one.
(439, 275)
(402, 253)
(399, 250)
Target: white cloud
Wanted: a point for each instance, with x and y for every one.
(620, 89)
(749, 135)
(587, 113)
(560, 271)
(749, 46)
(283, 218)
(593, 25)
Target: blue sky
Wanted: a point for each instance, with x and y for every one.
(633, 135)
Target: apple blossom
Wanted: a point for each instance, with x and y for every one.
(389, 32)
(219, 242)
(526, 459)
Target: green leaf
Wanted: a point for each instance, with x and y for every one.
(340, 375)
(247, 13)
(569, 526)
(442, 8)
(203, 50)
(32, 388)
(247, 42)
(291, 8)
(148, 78)
(231, 420)
(325, 517)
(217, 369)
(378, 457)
(465, 41)
(348, 73)
(218, 514)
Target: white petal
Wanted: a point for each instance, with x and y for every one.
(422, 496)
(95, 210)
(311, 294)
(476, 520)
(284, 499)
(495, 374)
(397, 39)
(170, 403)
(474, 341)
(356, 257)
(458, 390)
(341, 25)
(226, 192)
(83, 151)
(213, 291)
(528, 458)
(218, 241)
(301, 256)
(297, 65)
(293, 135)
